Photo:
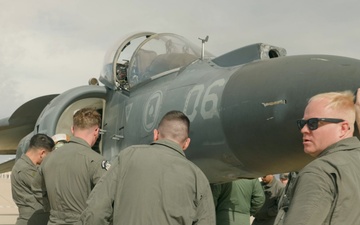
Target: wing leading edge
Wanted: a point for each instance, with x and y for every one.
(21, 123)
(7, 166)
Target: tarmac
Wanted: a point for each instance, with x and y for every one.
(8, 210)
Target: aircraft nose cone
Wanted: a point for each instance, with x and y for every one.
(265, 98)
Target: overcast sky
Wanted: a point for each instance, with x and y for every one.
(48, 46)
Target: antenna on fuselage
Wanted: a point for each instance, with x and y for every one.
(203, 46)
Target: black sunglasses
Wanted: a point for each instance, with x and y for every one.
(314, 122)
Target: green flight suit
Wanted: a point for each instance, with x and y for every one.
(22, 176)
(70, 173)
(327, 189)
(236, 201)
(153, 185)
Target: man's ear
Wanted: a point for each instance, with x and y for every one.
(345, 127)
(96, 131)
(42, 153)
(72, 129)
(156, 135)
(186, 144)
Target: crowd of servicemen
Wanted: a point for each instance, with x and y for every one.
(69, 183)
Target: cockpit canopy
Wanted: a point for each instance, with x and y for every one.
(142, 56)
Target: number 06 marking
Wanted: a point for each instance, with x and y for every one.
(208, 99)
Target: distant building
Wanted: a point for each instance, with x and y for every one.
(5, 175)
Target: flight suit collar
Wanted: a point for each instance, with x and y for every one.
(343, 145)
(169, 144)
(28, 160)
(79, 141)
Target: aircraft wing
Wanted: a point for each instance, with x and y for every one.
(21, 123)
(7, 166)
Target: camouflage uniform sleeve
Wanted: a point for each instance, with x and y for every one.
(257, 197)
(100, 202)
(205, 204)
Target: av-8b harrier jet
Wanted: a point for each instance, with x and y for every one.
(242, 105)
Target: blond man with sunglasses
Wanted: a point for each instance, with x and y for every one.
(327, 189)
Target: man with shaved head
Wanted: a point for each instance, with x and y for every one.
(174, 126)
(154, 184)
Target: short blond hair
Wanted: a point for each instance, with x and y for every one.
(86, 118)
(342, 103)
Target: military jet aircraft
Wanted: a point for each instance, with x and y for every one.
(242, 105)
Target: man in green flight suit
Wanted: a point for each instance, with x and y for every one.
(73, 169)
(236, 201)
(327, 189)
(154, 184)
(22, 176)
